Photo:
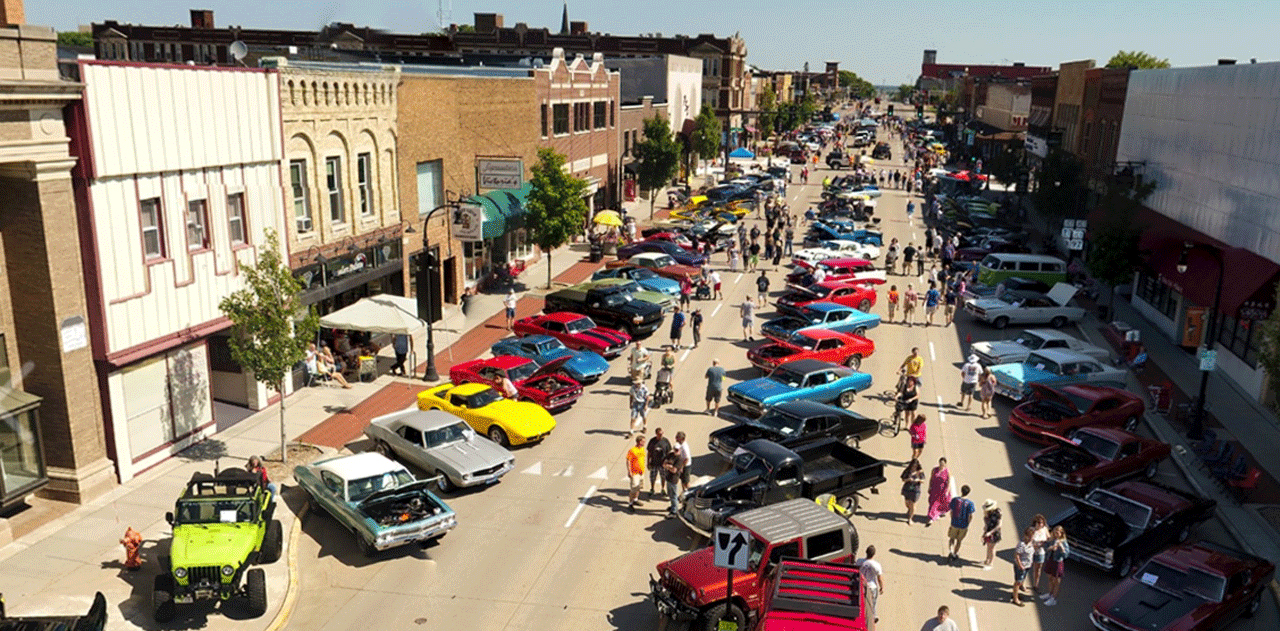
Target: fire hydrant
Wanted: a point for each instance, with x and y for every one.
(132, 543)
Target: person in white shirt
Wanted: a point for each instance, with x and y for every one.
(872, 584)
(942, 622)
(682, 446)
(969, 374)
(509, 303)
(715, 285)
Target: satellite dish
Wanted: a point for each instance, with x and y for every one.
(238, 50)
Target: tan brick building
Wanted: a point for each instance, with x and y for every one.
(578, 101)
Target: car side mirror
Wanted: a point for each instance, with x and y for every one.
(169, 517)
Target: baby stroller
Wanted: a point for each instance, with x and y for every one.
(662, 393)
(702, 291)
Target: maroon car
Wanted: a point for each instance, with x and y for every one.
(547, 386)
(575, 331)
(1057, 411)
(1190, 587)
(1094, 456)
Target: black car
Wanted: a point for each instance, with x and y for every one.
(681, 255)
(94, 620)
(727, 193)
(794, 423)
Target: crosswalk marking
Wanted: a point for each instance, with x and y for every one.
(942, 416)
(536, 469)
(602, 473)
(716, 310)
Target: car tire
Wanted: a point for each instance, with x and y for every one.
(854, 361)
(498, 435)
(1124, 566)
(860, 331)
(272, 542)
(1058, 322)
(444, 483)
(162, 606)
(1252, 608)
(1130, 424)
(865, 305)
(723, 611)
(255, 590)
(366, 548)
(847, 398)
(1150, 472)
(1000, 322)
(384, 449)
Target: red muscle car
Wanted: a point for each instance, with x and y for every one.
(827, 346)
(547, 386)
(1059, 410)
(575, 331)
(860, 296)
(1190, 587)
(674, 237)
(1094, 456)
(847, 269)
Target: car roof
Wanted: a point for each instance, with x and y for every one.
(532, 339)
(650, 255)
(809, 365)
(361, 465)
(561, 316)
(853, 261)
(825, 306)
(1205, 555)
(1110, 433)
(839, 284)
(805, 409)
(467, 389)
(1051, 334)
(787, 520)
(1162, 500)
(422, 420)
(1063, 355)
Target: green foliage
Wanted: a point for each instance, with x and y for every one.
(556, 209)
(768, 106)
(1136, 59)
(75, 38)
(1269, 347)
(658, 156)
(857, 86)
(706, 133)
(904, 93)
(1006, 162)
(1059, 183)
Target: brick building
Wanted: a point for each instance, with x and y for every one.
(936, 76)
(578, 102)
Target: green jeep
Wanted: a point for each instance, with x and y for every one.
(221, 525)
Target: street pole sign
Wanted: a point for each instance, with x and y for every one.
(732, 548)
(1208, 360)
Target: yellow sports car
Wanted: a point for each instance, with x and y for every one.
(504, 421)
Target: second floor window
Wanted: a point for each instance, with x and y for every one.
(364, 167)
(544, 120)
(301, 201)
(152, 232)
(197, 225)
(560, 112)
(235, 218)
(600, 115)
(333, 184)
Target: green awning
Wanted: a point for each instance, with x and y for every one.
(503, 209)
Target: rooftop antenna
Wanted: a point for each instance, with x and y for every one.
(444, 16)
(238, 50)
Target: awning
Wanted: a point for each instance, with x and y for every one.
(384, 313)
(503, 209)
(749, 128)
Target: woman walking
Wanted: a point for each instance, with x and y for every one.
(1055, 564)
(986, 389)
(918, 432)
(912, 478)
(893, 300)
(990, 530)
(939, 491)
(1021, 564)
(1039, 541)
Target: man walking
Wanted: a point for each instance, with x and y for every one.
(872, 585)
(715, 387)
(672, 469)
(509, 303)
(762, 289)
(962, 510)
(695, 327)
(715, 285)
(686, 288)
(639, 405)
(686, 460)
(941, 623)
(655, 451)
(908, 255)
(969, 374)
(748, 311)
(635, 472)
(931, 300)
(677, 327)
(400, 344)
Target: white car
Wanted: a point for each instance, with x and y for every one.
(1028, 307)
(841, 249)
(1017, 349)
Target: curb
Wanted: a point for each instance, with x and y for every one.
(291, 594)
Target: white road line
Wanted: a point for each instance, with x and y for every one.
(942, 416)
(932, 355)
(583, 503)
(716, 310)
(951, 482)
(567, 472)
(735, 281)
(685, 354)
(914, 237)
(600, 474)
(536, 469)
(973, 619)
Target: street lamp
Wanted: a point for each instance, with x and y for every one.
(427, 266)
(1196, 432)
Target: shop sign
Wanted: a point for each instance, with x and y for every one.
(468, 222)
(347, 266)
(493, 174)
(1036, 146)
(1255, 310)
(311, 277)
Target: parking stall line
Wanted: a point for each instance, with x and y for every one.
(942, 416)
(581, 505)
(973, 619)
(716, 310)
(735, 281)
(933, 355)
(685, 354)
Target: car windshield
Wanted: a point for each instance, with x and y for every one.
(1133, 513)
(521, 372)
(1030, 340)
(787, 377)
(216, 511)
(361, 488)
(803, 341)
(550, 345)
(1206, 585)
(663, 261)
(813, 315)
(819, 291)
(748, 461)
(785, 424)
(1174, 581)
(448, 434)
(642, 273)
(579, 325)
(1096, 445)
(617, 298)
(629, 287)
(483, 398)
(1040, 362)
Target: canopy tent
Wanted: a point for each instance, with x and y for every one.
(377, 314)
(742, 152)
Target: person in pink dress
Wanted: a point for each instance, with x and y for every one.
(939, 491)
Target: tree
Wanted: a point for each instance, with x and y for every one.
(1269, 347)
(1058, 187)
(857, 86)
(267, 335)
(768, 106)
(1005, 163)
(556, 209)
(658, 156)
(706, 134)
(904, 93)
(1113, 243)
(1136, 59)
(75, 38)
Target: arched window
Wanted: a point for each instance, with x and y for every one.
(293, 97)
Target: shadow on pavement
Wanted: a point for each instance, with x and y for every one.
(205, 450)
(940, 559)
(640, 614)
(983, 589)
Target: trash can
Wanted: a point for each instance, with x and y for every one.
(368, 368)
(597, 253)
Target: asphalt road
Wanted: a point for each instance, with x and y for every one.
(552, 545)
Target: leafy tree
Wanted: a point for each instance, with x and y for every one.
(1136, 59)
(658, 157)
(267, 335)
(706, 134)
(1006, 162)
(1059, 184)
(556, 209)
(1113, 244)
(904, 93)
(768, 106)
(857, 86)
(75, 38)
(1269, 348)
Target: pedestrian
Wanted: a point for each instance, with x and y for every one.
(1021, 564)
(931, 300)
(754, 260)
(777, 250)
(909, 306)
(970, 373)
(872, 574)
(768, 248)
(920, 257)
(715, 387)
(908, 401)
(990, 530)
(908, 256)
(1039, 543)
(912, 478)
(639, 405)
(715, 285)
(254, 466)
(635, 471)
(962, 510)
(655, 451)
(509, 389)
(672, 468)
(686, 288)
(942, 622)
(762, 289)
(1055, 564)
(918, 431)
(686, 460)
(893, 301)
(790, 237)
(891, 258)
(400, 344)
(695, 327)
(747, 311)
(939, 491)
(986, 389)
(952, 297)
(509, 303)
(911, 208)
(677, 326)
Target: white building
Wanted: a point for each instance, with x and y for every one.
(674, 82)
(179, 178)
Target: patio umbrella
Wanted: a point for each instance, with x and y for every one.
(742, 152)
(608, 218)
(865, 160)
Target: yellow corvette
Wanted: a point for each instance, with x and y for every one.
(504, 421)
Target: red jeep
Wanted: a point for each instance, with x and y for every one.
(814, 597)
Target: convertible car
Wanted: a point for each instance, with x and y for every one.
(1094, 456)
(442, 445)
(575, 331)
(377, 499)
(1057, 411)
(546, 385)
(504, 421)
(820, 315)
(582, 366)
(802, 380)
(819, 344)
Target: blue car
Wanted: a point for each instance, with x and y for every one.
(645, 277)
(800, 380)
(681, 255)
(583, 366)
(821, 315)
(1055, 368)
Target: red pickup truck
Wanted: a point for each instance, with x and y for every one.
(810, 596)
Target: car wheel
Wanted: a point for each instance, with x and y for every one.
(498, 435)
(366, 548)
(847, 398)
(1000, 322)
(384, 449)
(1252, 607)
(445, 484)
(854, 362)
(1130, 424)
(1058, 322)
(255, 590)
(1150, 472)
(162, 607)
(1124, 566)
(865, 305)
(1184, 534)
(272, 542)
(723, 611)
(860, 331)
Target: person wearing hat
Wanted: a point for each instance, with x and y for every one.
(990, 530)
(969, 374)
(639, 405)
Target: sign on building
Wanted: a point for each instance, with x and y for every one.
(494, 173)
(468, 222)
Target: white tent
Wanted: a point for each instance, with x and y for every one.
(377, 314)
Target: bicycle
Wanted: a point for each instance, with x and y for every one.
(900, 411)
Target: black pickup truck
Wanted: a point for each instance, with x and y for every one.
(613, 307)
(765, 473)
(94, 620)
(794, 423)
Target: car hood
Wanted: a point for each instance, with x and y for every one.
(415, 487)
(196, 545)
(663, 285)
(991, 304)
(549, 368)
(1019, 374)
(472, 455)
(750, 429)
(1146, 607)
(761, 389)
(603, 336)
(999, 349)
(789, 323)
(582, 362)
(697, 570)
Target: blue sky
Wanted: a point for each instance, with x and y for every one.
(881, 41)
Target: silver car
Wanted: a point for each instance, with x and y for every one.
(1017, 349)
(1028, 307)
(442, 445)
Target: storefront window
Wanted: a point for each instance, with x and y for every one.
(1158, 295)
(1236, 335)
(474, 265)
(521, 247)
(20, 463)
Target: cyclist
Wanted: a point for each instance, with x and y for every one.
(906, 404)
(912, 366)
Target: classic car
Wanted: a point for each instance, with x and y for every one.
(575, 331)
(975, 291)
(377, 499)
(1189, 587)
(1094, 456)
(821, 315)
(821, 232)
(676, 252)
(987, 246)
(441, 444)
(1057, 411)
(582, 366)
(646, 277)
(1017, 349)
(674, 237)
(792, 423)
(546, 385)
(843, 269)
(665, 301)
(857, 295)
(504, 421)
(1115, 529)
(806, 380)
(661, 263)
(1028, 307)
(820, 344)
(93, 620)
(837, 249)
(1056, 368)
(613, 307)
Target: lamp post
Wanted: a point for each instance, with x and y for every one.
(1196, 430)
(427, 266)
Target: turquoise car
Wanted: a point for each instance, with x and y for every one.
(820, 315)
(1054, 368)
(800, 380)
